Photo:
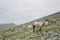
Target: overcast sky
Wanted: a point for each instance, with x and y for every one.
(21, 11)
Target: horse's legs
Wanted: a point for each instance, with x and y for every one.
(40, 28)
(33, 28)
(55, 22)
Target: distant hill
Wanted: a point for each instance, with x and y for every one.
(54, 15)
(7, 25)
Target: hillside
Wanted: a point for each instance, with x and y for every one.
(23, 32)
(6, 26)
(55, 15)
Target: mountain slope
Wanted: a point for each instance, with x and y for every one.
(6, 26)
(23, 32)
(55, 15)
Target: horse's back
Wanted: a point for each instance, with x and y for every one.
(35, 23)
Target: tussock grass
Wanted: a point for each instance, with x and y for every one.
(25, 32)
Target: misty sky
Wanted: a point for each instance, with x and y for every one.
(21, 11)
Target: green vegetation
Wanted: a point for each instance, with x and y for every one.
(24, 32)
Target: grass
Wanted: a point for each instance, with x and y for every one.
(24, 32)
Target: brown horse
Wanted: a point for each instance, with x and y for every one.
(51, 20)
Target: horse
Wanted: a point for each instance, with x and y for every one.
(51, 20)
(39, 24)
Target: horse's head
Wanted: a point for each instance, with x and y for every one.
(46, 19)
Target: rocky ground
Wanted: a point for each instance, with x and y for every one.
(50, 32)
